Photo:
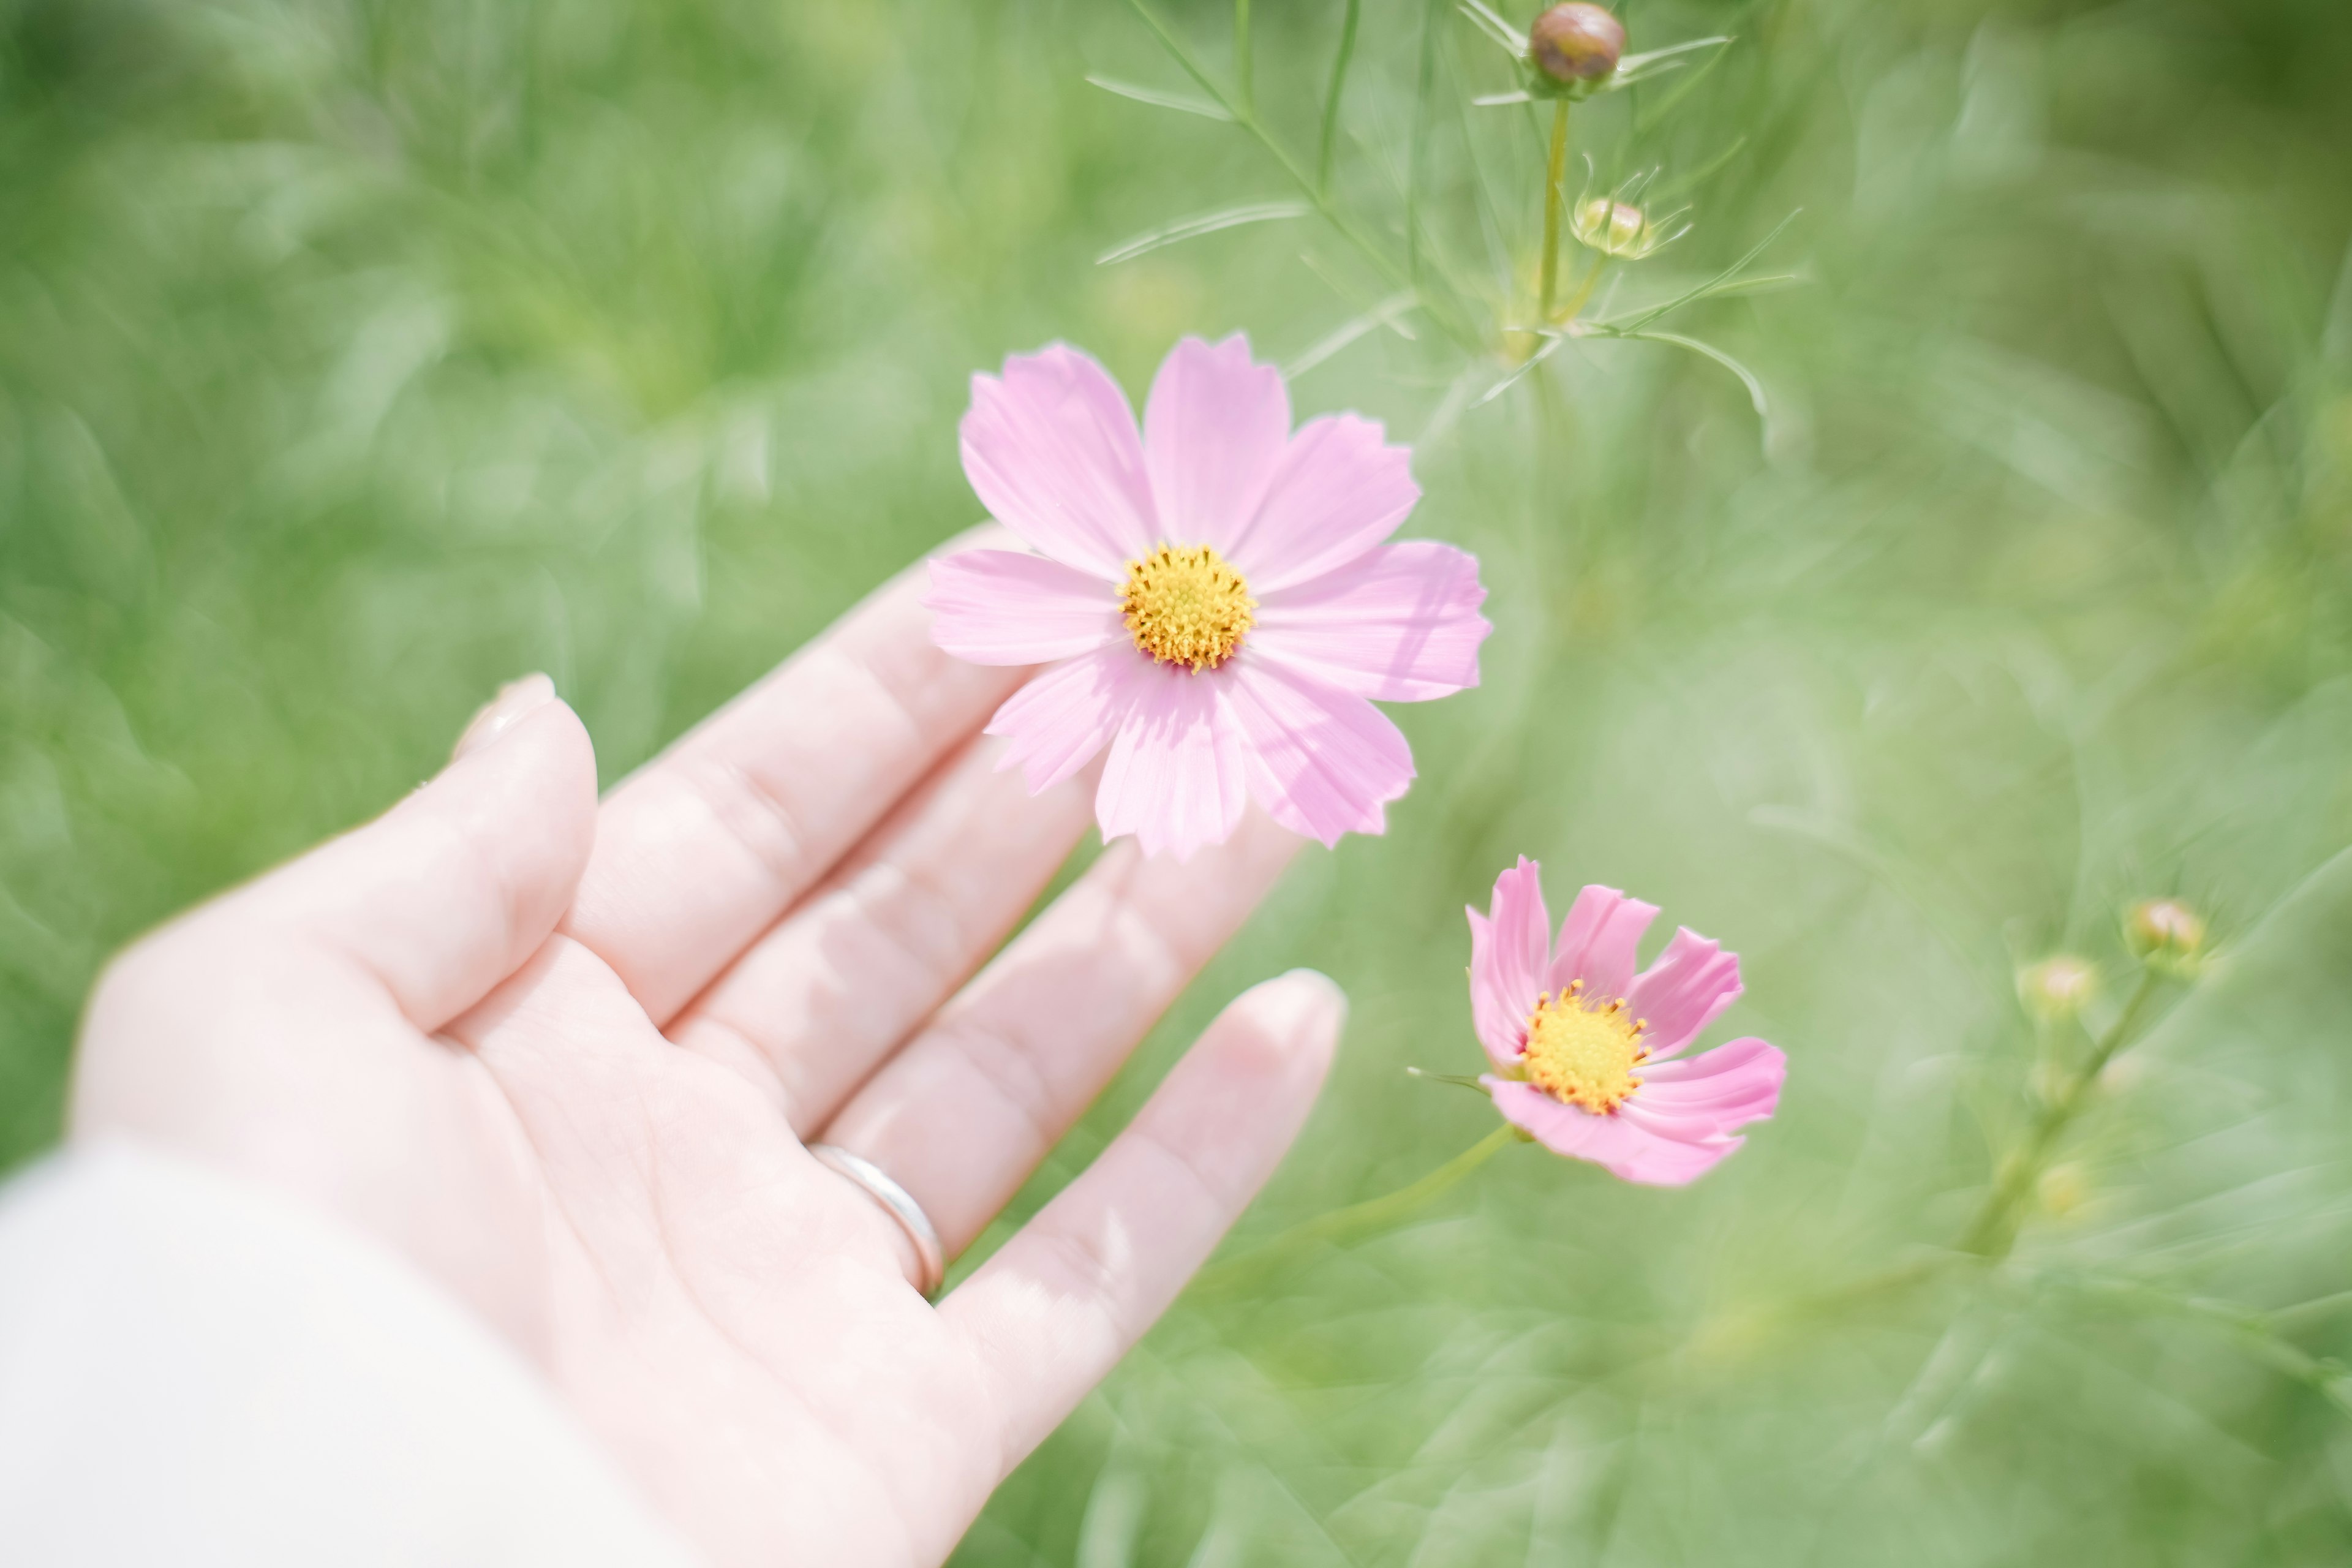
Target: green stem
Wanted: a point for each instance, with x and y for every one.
(1342, 1225)
(1555, 173)
(1331, 97)
(1994, 1230)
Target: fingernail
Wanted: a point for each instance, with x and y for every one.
(502, 712)
(1308, 999)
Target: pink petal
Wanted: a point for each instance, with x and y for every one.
(1597, 943)
(1702, 1126)
(1067, 713)
(1507, 954)
(1321, 760)
(1624, 1149)
(1727, 1057)
(1400, 623)
(1174, 777)
(1339, 490)
(1500, 1025)
(1712, 1095)
(1000, 606)
(1052, 452)
(1214, 429)
(1680, 994)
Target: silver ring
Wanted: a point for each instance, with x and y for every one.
(901, 1206)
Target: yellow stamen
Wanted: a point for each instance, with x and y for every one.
(1187, 606)
(1584, 1056)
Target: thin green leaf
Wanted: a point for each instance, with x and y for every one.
(1763, 283)
(1714, 285)
(1206, 223)
(1746, 377)
(1632, 65)
(1552, 347)
(1180, 54)
(1243, 89)
(1495, 28)
(1497, 100)
(1331, 97)
(1650, 116)
(1354, 297)
(1371, 321)
(1491, 226)
(1693, 180)
(1161, 99)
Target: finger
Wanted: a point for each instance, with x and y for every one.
(833, 988)
(964, 1114)
(699, 852)
(449, 891)
(1049, 1315)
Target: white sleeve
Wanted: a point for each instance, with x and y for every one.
(195, 1370)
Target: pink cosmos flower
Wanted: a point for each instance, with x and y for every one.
(1213, 599)
(1583, 1046)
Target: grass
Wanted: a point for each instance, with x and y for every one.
(354, 357)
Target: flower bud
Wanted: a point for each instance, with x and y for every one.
(2164, 929)
(1576, 42)
(1615, 229)
(2059, 986)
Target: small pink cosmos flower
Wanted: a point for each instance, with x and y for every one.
(1581, 1045)
(1213, 599)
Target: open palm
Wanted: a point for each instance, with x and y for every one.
(566, 1056)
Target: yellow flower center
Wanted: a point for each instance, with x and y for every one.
(1584, 1056)
(1187, 606)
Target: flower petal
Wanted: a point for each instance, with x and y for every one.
(1597, 943)
(1067, 713)
(1213, 430)
(1507, 955)
(1400, 623)
(1725, 1058)
(1001, 607)
(1322, 762)
(1500, 1026)
(1624, 1149)
(1174, 777)
(1746, 1087)
(1052, 452)
(1680, 994)
(1339, 490)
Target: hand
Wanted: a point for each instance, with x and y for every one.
(566, 1056)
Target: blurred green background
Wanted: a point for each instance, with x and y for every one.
(357, 356)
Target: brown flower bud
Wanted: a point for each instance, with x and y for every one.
(1576, 42)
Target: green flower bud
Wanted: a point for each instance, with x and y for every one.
(2059, 986)
(1616, 228)
(2164, 929)
(1576, 42)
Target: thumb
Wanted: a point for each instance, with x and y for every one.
(448, 892)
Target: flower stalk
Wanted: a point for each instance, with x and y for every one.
(1343, 1226)
(1993, 1232)
(1555, 177)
